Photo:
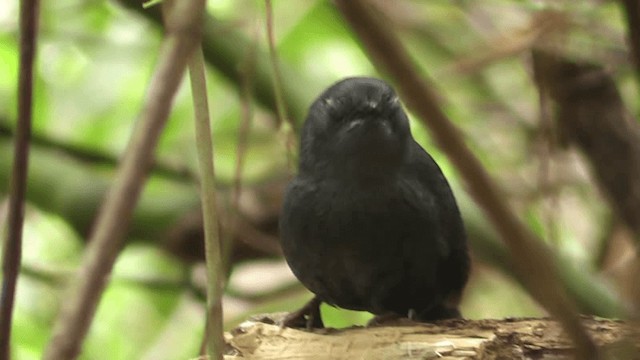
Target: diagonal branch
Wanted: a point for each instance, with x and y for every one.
(13, 245)
(113, 219)
(532, 259)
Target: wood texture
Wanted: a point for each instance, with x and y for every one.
(261, 339)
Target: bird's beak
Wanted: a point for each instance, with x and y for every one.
(355, 124)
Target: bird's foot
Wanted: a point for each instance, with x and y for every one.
(412, 315)
(308, 317)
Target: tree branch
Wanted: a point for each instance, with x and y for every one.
(12, 251)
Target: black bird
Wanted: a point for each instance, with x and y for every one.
(370, 222)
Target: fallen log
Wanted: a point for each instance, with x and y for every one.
(527, 338)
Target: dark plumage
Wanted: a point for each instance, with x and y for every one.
(370, 222)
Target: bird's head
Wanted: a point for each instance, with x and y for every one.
(356, 126)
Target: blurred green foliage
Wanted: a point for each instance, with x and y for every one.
(94, 63)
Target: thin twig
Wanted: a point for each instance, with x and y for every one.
(248, 68)
(286, 125)
(113, 219)
(215, 271)
(544, 151)
(277, 77)
(390, 56)
(13, 245)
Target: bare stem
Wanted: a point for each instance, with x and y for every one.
(13, 244)
(277, 87)
(212, 245)
(287, 126)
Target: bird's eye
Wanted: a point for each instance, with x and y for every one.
(330, 102)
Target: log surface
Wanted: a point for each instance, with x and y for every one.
(260, 338)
